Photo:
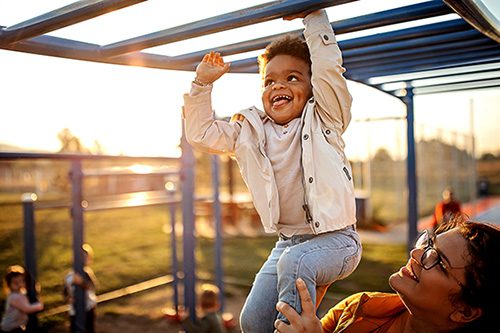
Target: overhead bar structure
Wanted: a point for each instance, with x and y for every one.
(455, 49)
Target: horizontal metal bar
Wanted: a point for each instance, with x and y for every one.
(240, 18)
(362, 74)
(128, 172)
(423, 48)
(410, 44)
(71, 49)
(418, 57)
(406, 34)
(369, 21)
(479, 15)
(60, 18)
(62, 156)
(476, 84)
(445, 84)
(440, 73)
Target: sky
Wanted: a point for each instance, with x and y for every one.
(136, 111)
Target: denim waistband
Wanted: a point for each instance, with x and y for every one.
(304, 237)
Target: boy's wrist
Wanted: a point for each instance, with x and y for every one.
(200, 83)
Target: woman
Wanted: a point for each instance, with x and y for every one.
(450, 284)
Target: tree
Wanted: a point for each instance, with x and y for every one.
(70, 143)
(382, 155)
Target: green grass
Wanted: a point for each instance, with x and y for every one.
(131, 246)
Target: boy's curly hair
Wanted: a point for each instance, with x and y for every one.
(292, 45)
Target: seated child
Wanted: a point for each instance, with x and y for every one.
(211, 320)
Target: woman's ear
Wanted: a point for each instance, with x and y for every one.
(465, 314)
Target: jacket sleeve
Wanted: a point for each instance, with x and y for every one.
(329, 86)
(202, 130)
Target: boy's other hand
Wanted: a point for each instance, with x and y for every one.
(211, 68)
(297, 15)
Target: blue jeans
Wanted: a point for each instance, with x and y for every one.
(317, 259)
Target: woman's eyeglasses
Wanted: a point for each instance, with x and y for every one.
(431, 255)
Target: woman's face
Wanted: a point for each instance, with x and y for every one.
(429, 293)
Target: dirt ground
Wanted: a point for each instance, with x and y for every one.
(144, 312)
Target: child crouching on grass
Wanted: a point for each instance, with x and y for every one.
(292, 159)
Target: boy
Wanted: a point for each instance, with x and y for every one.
(292, 159)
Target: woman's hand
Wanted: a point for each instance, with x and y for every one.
(211, 68)
(306, 322)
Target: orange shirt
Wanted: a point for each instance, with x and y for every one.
(363, 313)
(443, 210)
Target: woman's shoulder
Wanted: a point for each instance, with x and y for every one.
(369, 296)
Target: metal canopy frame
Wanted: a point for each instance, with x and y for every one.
(452, 55)
(449, 44)
(400, 62)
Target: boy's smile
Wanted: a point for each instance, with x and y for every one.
(287, 87)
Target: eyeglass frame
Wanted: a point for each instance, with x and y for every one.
(430, 236)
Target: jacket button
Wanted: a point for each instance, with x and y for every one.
(311, 179)
(328, 132)
(326, 37)
(316, 224)
(306, 136)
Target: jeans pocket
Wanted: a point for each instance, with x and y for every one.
(351, 262)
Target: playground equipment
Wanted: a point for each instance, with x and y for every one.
(457, 54)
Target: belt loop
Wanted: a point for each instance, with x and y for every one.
(283, 237)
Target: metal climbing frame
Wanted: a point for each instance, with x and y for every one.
(464, 51)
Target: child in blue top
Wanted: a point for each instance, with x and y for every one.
(292, 159)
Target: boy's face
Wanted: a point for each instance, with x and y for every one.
(286, 88)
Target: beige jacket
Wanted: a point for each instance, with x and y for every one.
(329, 193)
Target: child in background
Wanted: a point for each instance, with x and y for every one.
(17, 305)
(88, 282)
(211, 320)
(292, 159)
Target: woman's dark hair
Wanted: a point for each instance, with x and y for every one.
(288, 45)
(482, 272)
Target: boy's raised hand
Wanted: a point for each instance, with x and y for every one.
(211, 68)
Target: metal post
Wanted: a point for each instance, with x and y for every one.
(188, 245)
(218, 231)
(76, 176)
(473, 179)
(28, 200)
(173, 242)
(411, 169)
